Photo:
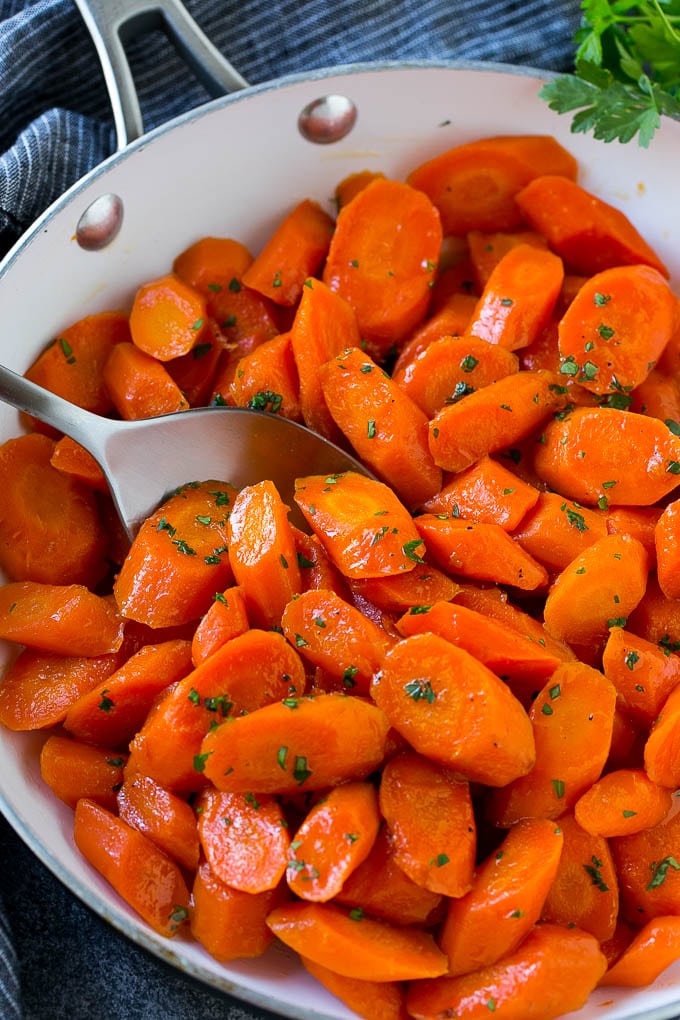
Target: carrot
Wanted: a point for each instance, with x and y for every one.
(387, 430)
(316, 569)
(626, 749)
(642, 673)
(364, 528)
(616, 328)
(474, 185)
(194, 372)
(420, 587)
(487, 248)
(588, 233)
(334, 838)
(543, 353)
(553, 971)
(350, 186)
(657, 618)
(211, 263)
(244, 839)
(228, 923)
(666, 535)
(649, 871)
(165, 818)
(140, 385)
(457, 278)
(64, 618)
(638, 521)
(382, 259)
(621, 802)
(333, 634)
(178, 558)
(226, 618)
(373, 1000)
(73, 770)
(50, 527)
(555, 530)
(598, 590)
(112, 713)
(449, 320)
(146, 879)
(168, 318)
(506, 899)
(661, 750)
(323, 327)
(484, 551)
(572, 719)
(297, 743)
(262, 553)
(488, 420)
(75, 461)
(294, 251)
(486, 493)
(245, 318)
(451, 708)
(356, 946)
(431, 823)
(654, 948)
(657, 395)
(266, 379)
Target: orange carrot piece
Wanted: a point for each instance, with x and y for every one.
(168, 318)
(296, 744)
(486, 493)
(487, 248)
(334, 838)
(588, 233)
(449, 320)
(316, 569)
(657, 618)
(422, 586)
(228, 923)
(50, 527)
(262, 553)
(572, 719)
(483, 551)
(225, 619)
(387, 430)
(140, 385)
(350, 186)
(643, 673)
(474, 185)
(431, 692)
(598, 590)
(75, 461)
(64, 618)
(266, 379)
(194, 372)
(661, 757)
(553, 971)
(506, 899)
(73, 770)
(211, 263)
(638, 521)
(356, 946)
(657, 395)
(112, 713)
(244, 839)
(649, 871)
(333, 634)
(382, 260)
(621, 802)
(178, 559)
(555, 530)
(431, 823)
(146, 879)
(626, 750)
(165, 818)
(372, 1000)
(654, 948)
(667, 543)
(364, 528)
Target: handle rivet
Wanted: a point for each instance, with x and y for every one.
(327, 119)
(100, 222)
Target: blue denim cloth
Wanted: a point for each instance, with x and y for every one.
(57, 959)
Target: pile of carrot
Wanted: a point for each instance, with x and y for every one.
(431, 743)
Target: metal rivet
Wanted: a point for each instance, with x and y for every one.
(327, 119)
(100, 222)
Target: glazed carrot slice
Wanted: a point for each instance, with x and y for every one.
(75, 461)
(63, 618)
(140, 385)
(386, 429)
(616, 328)
(627, 744)
(382, 260)
(147, 880)
(518, 298)
(649, 871)
(226, 618)
(556, 530)
(449, 320)
(296, 744)
(316, 569)
(112, 713)
(335, 635)
(262, 553)
(482, 551)
(266, 379)
(666, 541)
(194, 372)
(244, 839)
(334, 838)
(661, 749)
(168, 317)
(654, 948)
(211, 263)
(364, 528)
(431, 823)
(425, 687)
(350, 186)
(487, 248)
(493, 418)
(657, 395)
(642, 673)
(572, 719)
(50, 527)
(621, 802)
(356, 946)
(165, 818)
(588, 233)
(657, 618)
(376, 1000)
(505, 902)
(486, 493)
(553, 971)
(474, 185)
(422, 586)
(638, 521)
(178, 559)
(73, 769)
(598, 590)
(228, 923)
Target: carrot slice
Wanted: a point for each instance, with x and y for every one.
(486, 493)
(374, 1000)
(642, 673)
(649, 871)
(666, 541)
(654, 948)
(450, 319)
(228, 923)
(194, 372)
(67, 619)
(422, 586)
(140, 385)
(266, 379)
(165, 818)
(487, 248)
(211, 263)
(556, 530)
(73, 769)
(75, 461)
(621, 802)
(350, 186)
(661, 750)
(226, 618)
(168, 318)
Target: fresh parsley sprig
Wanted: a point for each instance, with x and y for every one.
(626, 70)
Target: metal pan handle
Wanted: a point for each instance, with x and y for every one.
(112, 23)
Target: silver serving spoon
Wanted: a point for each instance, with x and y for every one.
(146, 460)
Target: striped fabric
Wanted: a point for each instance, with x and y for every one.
(55, 125)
